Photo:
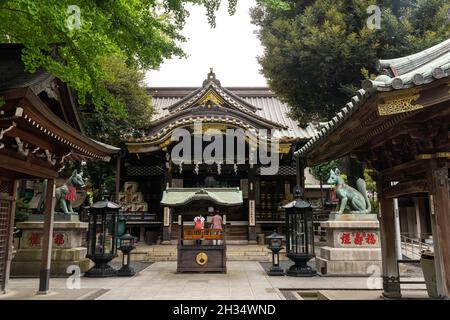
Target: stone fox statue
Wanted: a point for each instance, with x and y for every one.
(66, 194)
(357, 200)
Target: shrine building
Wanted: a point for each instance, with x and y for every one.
(148, 169)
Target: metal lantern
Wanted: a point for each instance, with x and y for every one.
(126, 246)
(275, 245)
(102, 235)
(300, 236)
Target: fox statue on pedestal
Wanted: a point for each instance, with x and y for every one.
(66, 194)
(357, 200)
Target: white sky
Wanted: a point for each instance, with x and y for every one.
(231, 49)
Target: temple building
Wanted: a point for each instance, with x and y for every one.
(40, 134)
(398, 125)
(151, 164)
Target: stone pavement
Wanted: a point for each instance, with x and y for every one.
(245, 280)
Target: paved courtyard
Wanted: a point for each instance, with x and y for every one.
(245, 280)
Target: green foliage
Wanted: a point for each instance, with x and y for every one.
(370, 184)
(125, 84)
(22, 210)
(318, 51)
(144, 32)
(323, 170)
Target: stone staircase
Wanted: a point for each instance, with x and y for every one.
(234, 253)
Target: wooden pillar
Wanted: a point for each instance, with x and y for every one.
(251, 205)
(167, 226)
(391, 279)
(300, 170)
(47, 239)
(167, 221)
(440, 223)
(417, 207)
(118, 174)
(9, 237)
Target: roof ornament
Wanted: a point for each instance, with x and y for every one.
(211, 77)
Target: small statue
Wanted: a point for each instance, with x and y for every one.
(66, 194)
(357, 200)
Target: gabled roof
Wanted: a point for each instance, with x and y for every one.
(415, 70)
(29, 109)
(220, 196)
(258, 103)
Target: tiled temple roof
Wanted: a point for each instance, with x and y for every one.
(264, 102)
(414, 70)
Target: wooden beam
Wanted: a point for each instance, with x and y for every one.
(47, 239)
(406, 188)
(403, 170)
(440, 223)
(9, 162)
(33, 139)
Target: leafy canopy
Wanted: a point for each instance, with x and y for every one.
(144, 32)
(125, 84)
(316, 52)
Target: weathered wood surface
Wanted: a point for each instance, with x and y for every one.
(187, 258)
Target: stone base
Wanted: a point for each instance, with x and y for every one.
(350, 262)
(57, 269)
(66, 248)
(353, 246)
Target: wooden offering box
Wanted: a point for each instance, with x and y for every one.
(202, 258)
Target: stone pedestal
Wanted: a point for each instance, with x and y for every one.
(353, 246)
(66, 248)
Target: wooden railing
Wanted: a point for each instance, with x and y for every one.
(204, 234)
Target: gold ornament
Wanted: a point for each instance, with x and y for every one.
(201, 258)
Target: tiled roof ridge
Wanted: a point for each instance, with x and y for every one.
(420, 68)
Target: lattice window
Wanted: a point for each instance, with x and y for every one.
(5, 206)
(5, 187)
(282, 171)
(145, 171)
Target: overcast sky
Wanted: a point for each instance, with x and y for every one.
(231, 49)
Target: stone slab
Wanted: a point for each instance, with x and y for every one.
(57, 217)
(57, 268)
(57, 225)
(348, 268)
(353, 217)
(57, 254)
(353, 254)
(350, 224)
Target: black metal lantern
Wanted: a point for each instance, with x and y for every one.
(275, 245)
(300, 236)
(102, 238)
(126, 246)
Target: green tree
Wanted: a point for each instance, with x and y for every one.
(22, 210)
(323, 170)
(69, 38)
(125, 84)
(316, 52)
